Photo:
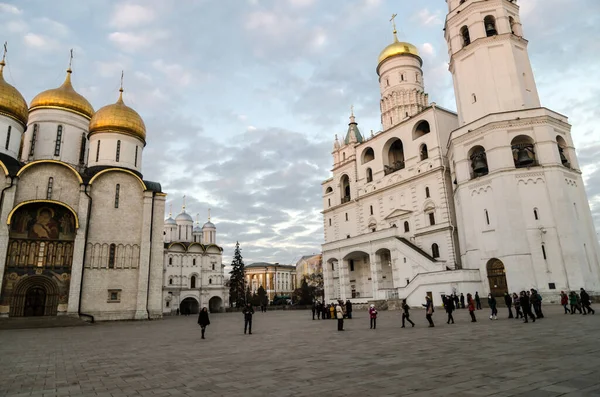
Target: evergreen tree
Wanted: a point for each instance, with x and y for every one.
(237, 282)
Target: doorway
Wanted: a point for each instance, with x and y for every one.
(35, 302)
(189, 306)
(496, 274)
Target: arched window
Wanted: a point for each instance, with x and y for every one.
(111, 256)
(49, 189)
(401, 76)
(329, 221)
(33, 139)
(345, 185)
(210, 280)
(117, 192)
(421, 128)
(118, 155)
(213, 266)
(136, 155)
(8, 137)
(170, 280)
(487, 217)
(346, 217)
(427, 195)
(535, 214)
(395, 157)
(511, 21)
(466, 37)
(194, 262)
(523, 151)
(369, 175)
(332, 266)
(423, 152)
(170, 260)
(193, 282)
(57, 143)
(435, 250)
(344, 156)
(562, 151)
(406, 227)
(431, 218)
(82, 149)
(478, 158)
(329, 202)
(371, 209)
(98, 151)
(368, 155)
(490, 26)
(329, 190)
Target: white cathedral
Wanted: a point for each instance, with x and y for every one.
(488, 199)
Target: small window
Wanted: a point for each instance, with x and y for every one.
(118, 155)
(98, 151)
(329, 221)
(387, 82)
(117, 192)
(473, 98)
(114, 296)
(33, 139)
(417, 77)
(435, 250)
(170, 281)
(8, 137)
(423, 152)
(371, 209)
(401, 76)
(58, 141)
(111, 256)
(170, 261)
(466, 37)
(535, 214)
(369, 175)
(406, 227)
(551, 285)
(49, 189)
(487, 217)
(329, 202)
(213, 266)
(351, 262)
(194, 262)
(427, 192)
(135, 158)
(432, 218)
(346, 217)
(544, 251)
(332, 266)
(82, 149)
(168, 303)
(490, 26)
(193, 282)
(210, 280)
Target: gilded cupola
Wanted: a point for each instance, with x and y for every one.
(65, 98)
(397, 48)
(12, 103)
(118, 118)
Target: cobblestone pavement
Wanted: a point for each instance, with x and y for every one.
(291, 355)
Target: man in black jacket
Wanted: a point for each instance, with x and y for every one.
(585, 302)
(348, 309)
(524, 301)
(462, 301)
(508, 303)
(248, 312)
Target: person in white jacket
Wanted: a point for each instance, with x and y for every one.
(339, 314)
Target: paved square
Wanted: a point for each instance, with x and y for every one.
(291, 355)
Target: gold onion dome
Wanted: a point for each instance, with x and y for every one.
(63, 97)
(119, 118)
(12, 103)
(398, 48)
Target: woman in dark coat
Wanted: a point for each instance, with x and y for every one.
(203, 320)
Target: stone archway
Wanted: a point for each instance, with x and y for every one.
(215, 304)
(496, 274)
(189, 306)
(35, 296)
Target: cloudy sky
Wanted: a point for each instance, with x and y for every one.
(242, 98)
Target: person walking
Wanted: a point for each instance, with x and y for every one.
(564, 301)
(449, 306)
(536, 302)
(462, 301)
(248, 312)
(314, 309)
(508, 303)
(492, 305)
(456, 301)
(331, 311)
(319, 310)
(405, 313)
(203, 320)
(574, 302)
(517, 304)
(586, 301)
(339, 311)
(348, 309)
(429, 310)
(471, 306)
(477, 300)
(373, 316)
(526, 307)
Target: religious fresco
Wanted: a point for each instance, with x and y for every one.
(43, 221)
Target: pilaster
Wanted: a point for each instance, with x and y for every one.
(141, 309)
(8, 202)
(157, 262)
(78, 254)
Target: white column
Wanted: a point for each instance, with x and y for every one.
(78, 255)
(141, 312)
(7, 206)
(157, 264)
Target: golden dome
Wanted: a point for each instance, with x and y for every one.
(397, 48)
(118, 117)
(12, 103)
(63, 97)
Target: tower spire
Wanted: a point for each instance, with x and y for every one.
(183, 206)
(3, 63)
(70, 61)
(197, 219)
(209, 214)
(170, 210)
(352, 118)
(120, 100)
(393, 21)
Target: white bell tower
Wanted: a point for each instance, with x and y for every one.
(522, 212)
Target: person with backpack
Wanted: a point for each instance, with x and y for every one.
(508, 303)
(517, 304)
(564, 301)
(429, 310)
(471, 305)
(586, 302)
(574, 302)
(405, 313)
(492, 305)
(536, 302)
(373, 316)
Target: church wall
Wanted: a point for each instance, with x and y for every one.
(108, 151)
(16, 131)
(74, 129)
(156, 258)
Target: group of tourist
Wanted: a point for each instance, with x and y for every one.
(329, 311)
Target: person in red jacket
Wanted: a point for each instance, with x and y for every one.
(471, 303)
(373, 316)
(564, 301)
